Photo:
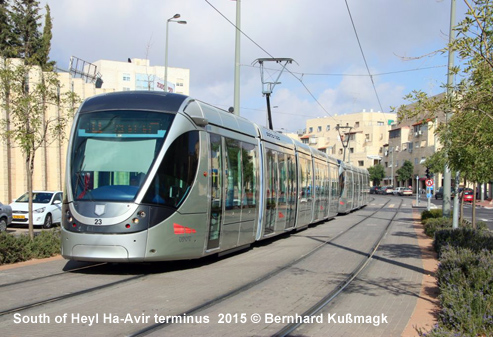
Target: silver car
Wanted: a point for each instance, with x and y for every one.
(5, 216)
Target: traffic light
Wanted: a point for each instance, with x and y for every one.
(428, 173)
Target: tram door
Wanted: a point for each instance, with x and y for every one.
(216, 183)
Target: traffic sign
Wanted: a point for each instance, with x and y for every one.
(429, 182)
(428, 195)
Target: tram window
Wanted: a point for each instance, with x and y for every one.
(233, 178)
(249, 157)
(176, 172)
(113, 152)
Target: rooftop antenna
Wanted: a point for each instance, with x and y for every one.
(268, 87)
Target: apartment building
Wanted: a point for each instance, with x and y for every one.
(138, 74)
(413, 141)
(364, 135)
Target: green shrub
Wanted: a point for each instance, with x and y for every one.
(466, 291)
(434, 213)
(431, 225)
(474, 239)
(20, 248)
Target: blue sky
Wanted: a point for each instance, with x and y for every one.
(395, 36)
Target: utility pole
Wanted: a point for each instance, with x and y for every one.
(446, 174)
(236, 105)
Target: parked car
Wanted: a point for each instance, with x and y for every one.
(406, 191)
(468, 196)
(389, 190)
(47, 208)
(374, 189)
(397, 190)
(439, 193)
(5, 216)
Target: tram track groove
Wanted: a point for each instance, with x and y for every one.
(71, 295)
(327, 299)
(158, 326)
(193, 310)
(65, 272)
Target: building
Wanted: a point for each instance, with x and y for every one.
(138, 74)
(413, 141)
(50, 158)
(365, 133)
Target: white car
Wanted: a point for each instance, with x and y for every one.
(397, 190)
(47, 208)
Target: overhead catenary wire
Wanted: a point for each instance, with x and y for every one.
(363, 54)
(265, 51)
(294, 74)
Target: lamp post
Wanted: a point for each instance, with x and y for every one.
(176, 16)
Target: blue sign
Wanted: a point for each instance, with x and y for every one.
(428, 195)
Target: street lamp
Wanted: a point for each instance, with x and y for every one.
(176, 16)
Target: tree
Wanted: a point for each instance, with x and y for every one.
(26, 94)
(467, 137)
(28, 42)
(406, 171)
(7, 36)
(377, 173)
(44, 51)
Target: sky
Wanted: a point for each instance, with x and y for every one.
(399, 39)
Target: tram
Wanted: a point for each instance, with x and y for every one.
(154, 176)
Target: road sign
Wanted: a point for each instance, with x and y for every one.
(428, 195)
(429, 182)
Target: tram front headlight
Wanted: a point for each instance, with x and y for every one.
(69, 216)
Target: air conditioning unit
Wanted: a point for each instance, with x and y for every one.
(416, 134)
(396, 149)
(386, 153)
(419, 132)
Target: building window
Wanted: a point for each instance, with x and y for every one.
(361, 163)
(351, 150)
(126, 77)
(380, 123)
(319, 129)
(327, 128)
(367, 137)
(386, 164)
(356, 124)
(126, 89)
(416, 145)
(415, 161)
(340, 151)
(304, 140)
(310, 129)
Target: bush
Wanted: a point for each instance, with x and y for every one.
(434, 213)
(20, 248)
(466, 292)
(431, 225)
(473, 239)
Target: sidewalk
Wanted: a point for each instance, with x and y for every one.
(485, 204)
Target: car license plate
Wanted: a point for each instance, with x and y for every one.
(19, 217)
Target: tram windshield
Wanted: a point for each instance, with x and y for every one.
(113, 152)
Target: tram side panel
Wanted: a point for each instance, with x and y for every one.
(305, 183)
(278, 190)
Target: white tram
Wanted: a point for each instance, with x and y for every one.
(155, 176)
